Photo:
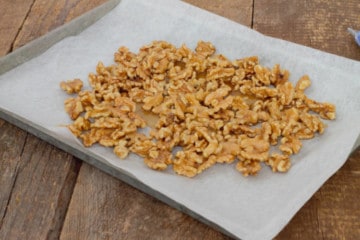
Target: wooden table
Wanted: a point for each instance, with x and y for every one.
(46, 193)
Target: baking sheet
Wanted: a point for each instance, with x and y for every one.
(247, 208)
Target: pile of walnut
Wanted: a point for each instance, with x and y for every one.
(214, 109)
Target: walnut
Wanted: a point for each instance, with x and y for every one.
(303, 83)
(290, 145)
(101, 135)
(142, 148)
(254, 149)
(274, 109)
(325, 110)
(80, 124)
(88, 99)
(278, 76)
(312, 122)
(247, 117)
(215, 110)
(105, 138)
(248, 64)
(286, 93)
(214, 98)
(183, 166)
(205, 49)
(264, 92)
(189, 163)
(106, 122)
(138, 95)
(275, 132)
(125, 57)
(157, 159)
(230, 149)
(152, 101)
(137, 120)
(262, 75)
(248, 167)
(304, 133)
(279, 162)
(291, 127)
(99, 110)
(220, 72)
(211, 148)
(72, 86)
(239, 103)
(124, 104)
(121, 149)
(89, 138)
(73, 107)
(265, 131)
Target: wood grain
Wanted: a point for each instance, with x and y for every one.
(239, 11)
(12, 17)
(12, 141)
(102, 207)
(45, 16)
(320, 24)
(39, 194)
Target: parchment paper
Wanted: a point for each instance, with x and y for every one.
(247, 208)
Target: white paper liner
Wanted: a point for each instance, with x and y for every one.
(249, 208)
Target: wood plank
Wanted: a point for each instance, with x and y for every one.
(239, 11)
(48, 15)
(339, 211)
(42, 182)
(102, 207)
(12, 141)
(321, 24)
(12, 16)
